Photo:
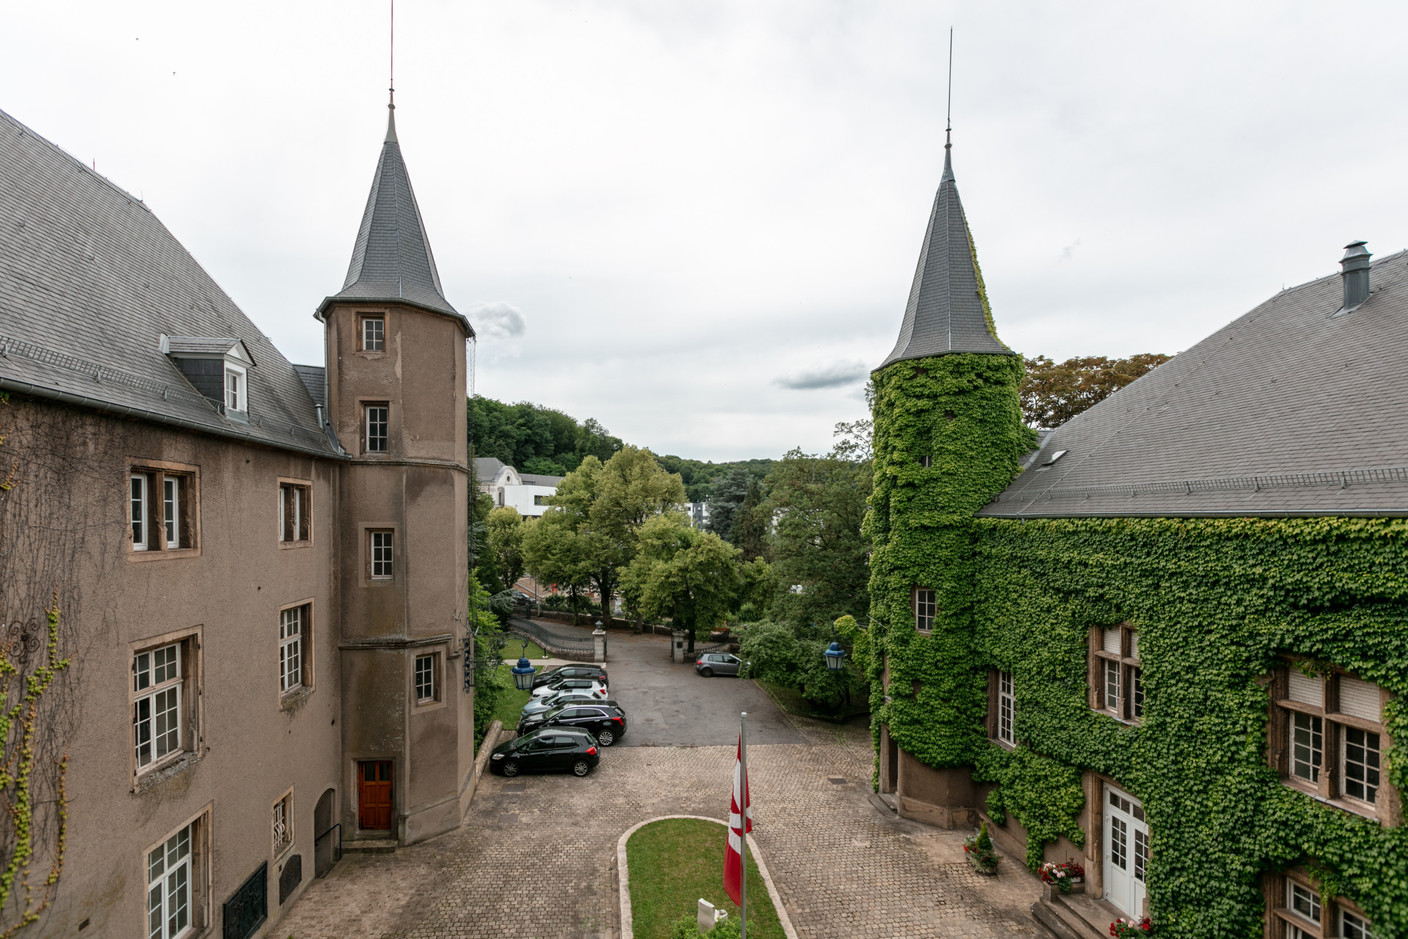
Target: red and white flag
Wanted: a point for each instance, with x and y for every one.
(733, 856)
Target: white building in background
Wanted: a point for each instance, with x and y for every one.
(698, 513)
(526, 492)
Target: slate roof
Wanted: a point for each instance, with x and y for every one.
(90, 279)
(1289, 410)
(535, 479)
(487, 467)
(945, 310)
(315, 379)
(392, 260)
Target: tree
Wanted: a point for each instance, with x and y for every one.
(552, 553)
(726, 501)
(505, 535)
(819, 556)
(485, 649)
(751, 524)
(1053, 393)
(680, 572)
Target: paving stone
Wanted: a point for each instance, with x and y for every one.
(536, 856)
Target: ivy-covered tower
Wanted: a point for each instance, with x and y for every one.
(948, 434)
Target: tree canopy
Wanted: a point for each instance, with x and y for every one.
(680, 572)
(533, 438)
(1054, 392)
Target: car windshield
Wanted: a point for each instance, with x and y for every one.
(548, 715)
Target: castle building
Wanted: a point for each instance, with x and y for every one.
(259, 569)
(1167, 641)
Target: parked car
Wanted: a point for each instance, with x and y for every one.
(607, 724)
(717, 663)
(562, 699)
(596, 688)
(572, 670)
(551, 750)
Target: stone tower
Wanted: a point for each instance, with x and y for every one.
(396, 374)
(948, 434)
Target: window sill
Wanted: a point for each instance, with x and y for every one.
(159, 773)
(1352, 806)
(306, 543)
(170, 554)
(290, 700)
(1126, 721)
(1009, 747)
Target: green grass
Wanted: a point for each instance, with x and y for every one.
(678, 861)
(513, 645)
(791, 701)
(510, 707)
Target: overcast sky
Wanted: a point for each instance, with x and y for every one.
(697, 222)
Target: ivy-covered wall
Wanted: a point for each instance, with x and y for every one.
(1216, 601)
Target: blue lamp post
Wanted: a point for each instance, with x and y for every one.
(523, 674)
(835, 657)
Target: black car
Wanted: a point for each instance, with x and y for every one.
(550, 750)
(607, 724)
(572, 670)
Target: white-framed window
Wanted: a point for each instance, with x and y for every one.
(1004, 723)
(427, 678)
(381, 554)
(1327, 737)
(165, 702)
(236, 389)
(281, 822)
(373, 333)
(161, 508)
(176, 895)
(1298, 911)
(1115, 679)
(376, 418)
(295, 628)
(157, 707)
(925, 604)
(295, 521)
(140, 511)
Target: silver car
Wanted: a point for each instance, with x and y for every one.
(717, 663)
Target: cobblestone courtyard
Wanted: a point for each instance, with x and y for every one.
(536, 855)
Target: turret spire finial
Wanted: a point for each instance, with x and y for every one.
(948, 130)
(391, 105)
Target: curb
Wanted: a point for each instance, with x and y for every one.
(627, 932)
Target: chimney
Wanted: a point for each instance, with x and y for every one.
(1354, 271)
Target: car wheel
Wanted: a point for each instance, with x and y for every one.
(511, 768)
(606, 738)
(581, 768)
(707, 672)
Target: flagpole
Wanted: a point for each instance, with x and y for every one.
(743, 850)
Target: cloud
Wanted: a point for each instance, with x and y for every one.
(497, 320)
(826, 376)
(1069, 251)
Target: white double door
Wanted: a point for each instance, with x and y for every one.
(1126, 852)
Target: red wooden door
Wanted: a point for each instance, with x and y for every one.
(374, 795)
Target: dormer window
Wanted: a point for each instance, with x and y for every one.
(216, 367)
(236, 389)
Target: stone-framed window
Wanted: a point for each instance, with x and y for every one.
(177, 881)
(1296, 909)
(376, 421)
(296, 648)
(162, 507)
(165, 705)
(924, 603)
(295, 512)
(427, 678)
(381, 554)
(281, 823)
(1326, 737)
(373, 332)
(1114, 678)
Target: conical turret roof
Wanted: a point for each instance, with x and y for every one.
(391, 260)
(945, 311)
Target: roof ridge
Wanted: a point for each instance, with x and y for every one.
(26, 129)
